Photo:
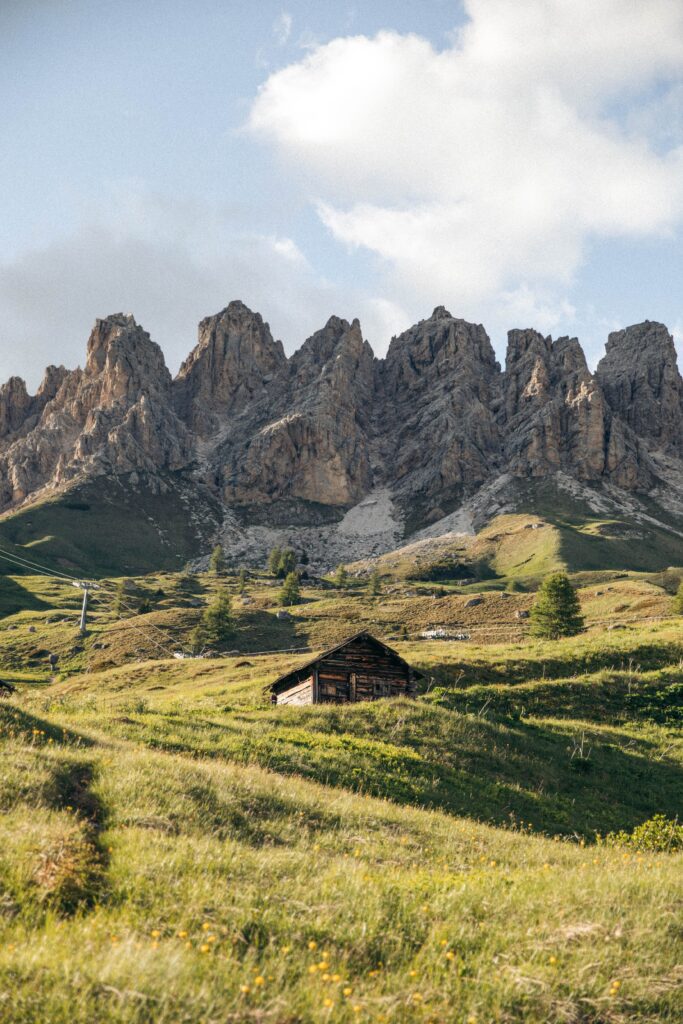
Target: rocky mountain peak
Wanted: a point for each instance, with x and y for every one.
(122, 360)
(441, 313)
(339, 348)
(440, 349)
(52, 381)
(234, 355)
(20, 411)
(640, 377)
(15, 404)
(431, 423)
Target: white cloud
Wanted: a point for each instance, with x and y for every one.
(282, 28)
(479, 173)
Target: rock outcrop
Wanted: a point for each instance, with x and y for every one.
(305, 435)
(639, 375)
(437, 391)
(555, 416)
(430, 424)
(233, 363)
(114, 416)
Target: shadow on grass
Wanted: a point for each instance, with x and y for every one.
(560, 779)
(73, 864)
(612, 699)
(18, 723)
(15, 598)
(563, 664)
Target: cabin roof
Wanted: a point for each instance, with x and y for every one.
(280, 682)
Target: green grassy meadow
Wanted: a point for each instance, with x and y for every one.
(175, 849)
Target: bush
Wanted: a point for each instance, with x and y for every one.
(341, 577)
(656, 835)
(556, 611)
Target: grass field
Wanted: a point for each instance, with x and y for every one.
(174, 849)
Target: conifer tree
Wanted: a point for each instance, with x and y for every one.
(290, 593)
(274, 561)
(119, 604)
(556, 611)
(217, 621)
(678, 600)
(241, 581)
(374, 583)
(287, 562)
(198, 638)
(217, 561)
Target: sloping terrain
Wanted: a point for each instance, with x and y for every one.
(173, 848)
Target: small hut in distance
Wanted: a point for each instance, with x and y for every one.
(360, 668)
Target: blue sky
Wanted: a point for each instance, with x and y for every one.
(519, 163)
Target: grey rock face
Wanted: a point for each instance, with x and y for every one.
(115, 416)
(555, 416)
(431, 423)
(308, 435)
(640, 378)
(235, 356)
(438, 390)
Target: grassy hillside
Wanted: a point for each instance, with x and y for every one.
(175, 849)
(115, 526)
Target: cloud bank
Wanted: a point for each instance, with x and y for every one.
(479, 174)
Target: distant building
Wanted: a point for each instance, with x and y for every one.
(360, 668)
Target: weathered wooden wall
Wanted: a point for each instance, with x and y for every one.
(300, 693)
(361, 671)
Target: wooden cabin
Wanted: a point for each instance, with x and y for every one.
(360, 668)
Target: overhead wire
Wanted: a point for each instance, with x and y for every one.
(43, 570)
(110, 590)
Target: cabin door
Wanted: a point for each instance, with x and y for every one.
(353, 680)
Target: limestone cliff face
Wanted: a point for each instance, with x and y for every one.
(432, 422)
(438, 390)
(555, 416)
(115, 416)
(308, 437)
(19, 411)
(231, 366)
(639, 375)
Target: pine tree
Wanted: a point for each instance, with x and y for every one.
(290, 593)
(556, 611)
(374, 583)
(241, 581)
(217, 561)
(678, 600)
(198, 639)
(217, 620)
(341, 577)
(274, 561)
(287, 563)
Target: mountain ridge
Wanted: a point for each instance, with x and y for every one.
(301, 440)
